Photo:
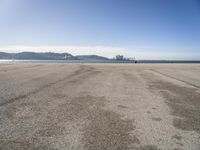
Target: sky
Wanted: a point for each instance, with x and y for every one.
(145, 29)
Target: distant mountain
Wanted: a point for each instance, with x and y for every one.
(5, 55)
(49, 56)
(44, 56)
(91, 57)
(37, 56)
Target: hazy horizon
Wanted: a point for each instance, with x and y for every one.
(101, 51)
(133, 28)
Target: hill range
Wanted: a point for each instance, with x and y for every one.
(49, 56)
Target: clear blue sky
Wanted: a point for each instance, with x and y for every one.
(142, 26)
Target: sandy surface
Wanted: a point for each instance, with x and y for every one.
(100, 106)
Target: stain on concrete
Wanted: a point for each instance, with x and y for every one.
(156, 119)
(122, 106)
(184, 103)
(149, 147)
(107, 130)
(177, 137)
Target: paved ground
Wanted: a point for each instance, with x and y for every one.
(100, 106)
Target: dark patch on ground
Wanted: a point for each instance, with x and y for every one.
(177, 137)
(184, 103)
(59, 96)
(11, 111)
(24, 144)
(107, 130)
(51, 130)
(149, 147)
(156, 119)
(122, 106)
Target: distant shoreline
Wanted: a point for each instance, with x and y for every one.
(97, 61)
(52, 57)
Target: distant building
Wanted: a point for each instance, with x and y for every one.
(119, 57)
(122, 58)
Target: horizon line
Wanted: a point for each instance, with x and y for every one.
(106, 51)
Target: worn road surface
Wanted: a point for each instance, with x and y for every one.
(100, 106)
